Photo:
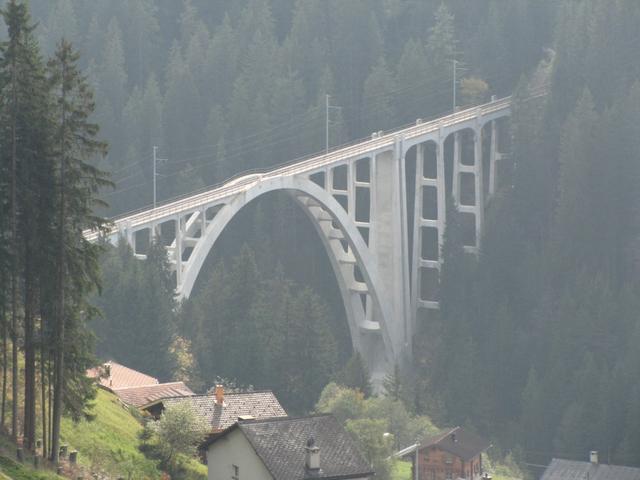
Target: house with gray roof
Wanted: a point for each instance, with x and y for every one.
(315, 447)
(560, 469)
(222, 409)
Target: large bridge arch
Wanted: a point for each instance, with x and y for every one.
(368, 320)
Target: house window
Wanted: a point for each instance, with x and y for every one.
(235, 475)
(448, 474)
(448, 459)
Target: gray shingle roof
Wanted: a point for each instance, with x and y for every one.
(280, 443)
(459, 442)
(218, 417)
(571, 470)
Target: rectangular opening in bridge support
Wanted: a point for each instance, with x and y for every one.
(363, 170)
(467, 189)
(429, 284)
(430, 203)
(467, 147)
(430, 161)
(167, 231)
(468, 223)
(363, 204)
(142, 241)
(340, 178)
(430, 248)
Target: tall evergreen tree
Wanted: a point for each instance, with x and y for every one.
(25, 125)
(76, 259)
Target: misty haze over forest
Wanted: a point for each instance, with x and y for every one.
(533, 339)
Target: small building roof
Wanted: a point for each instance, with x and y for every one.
(262, 404)
(112, 375)
(280, 443)
(459, 442)
(560, 469)
(139, 396)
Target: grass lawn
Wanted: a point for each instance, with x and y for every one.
(12, 470)
(401, 471)
(109, 443)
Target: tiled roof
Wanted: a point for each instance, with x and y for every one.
(280, 444)
(218, 417)
(571, 470)
(113, 375)
(459, 442)
(139, 396)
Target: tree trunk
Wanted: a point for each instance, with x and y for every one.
(29, 357)
(14, 253)
(43, 386)
(58, 389)
(4, 367)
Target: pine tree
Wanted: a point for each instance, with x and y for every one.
(392, 384)
(378, 110)
(355, 375)
(25, 126)
(76, 260)
(62, 23)
(111, 82)
(412, 72)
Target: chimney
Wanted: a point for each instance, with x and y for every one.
(593, 457)
(312, 457)
(219, 394)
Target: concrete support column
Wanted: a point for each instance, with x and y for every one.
(493, 158)
(417, 234)
(130, 237)
(391, 246)
(372, 202)
(457, 159)
(442, 195)
(203, 221)
(479, 184)
(351, 191)
(177, 253)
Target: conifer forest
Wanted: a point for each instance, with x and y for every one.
(536, 342)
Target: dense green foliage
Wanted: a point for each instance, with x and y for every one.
(48, 193)
(138, 322)
(538, 338)
(536, 343)
(380, 425)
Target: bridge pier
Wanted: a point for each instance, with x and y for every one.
(389, 245)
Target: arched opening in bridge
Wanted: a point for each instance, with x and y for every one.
(282, 237)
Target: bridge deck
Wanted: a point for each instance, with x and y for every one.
(245, 180)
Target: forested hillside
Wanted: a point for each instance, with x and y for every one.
(538, 341)
(535, 345)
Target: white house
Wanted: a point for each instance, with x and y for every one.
(315, 447)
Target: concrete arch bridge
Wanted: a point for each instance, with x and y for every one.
(378, 207)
